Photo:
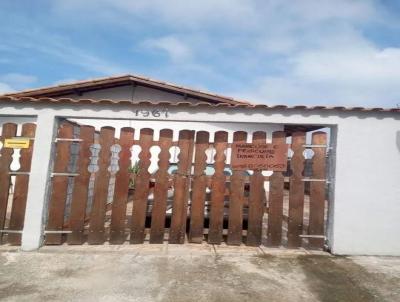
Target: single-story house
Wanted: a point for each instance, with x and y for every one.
(134, 159)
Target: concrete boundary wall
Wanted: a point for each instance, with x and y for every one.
(366, 206)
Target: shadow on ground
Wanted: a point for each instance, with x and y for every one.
(193, 274)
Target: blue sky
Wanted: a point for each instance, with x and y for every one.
(327, 52)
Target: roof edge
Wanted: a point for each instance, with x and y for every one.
(8, 98)
(121, 80)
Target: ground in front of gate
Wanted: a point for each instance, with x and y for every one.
(193, 273)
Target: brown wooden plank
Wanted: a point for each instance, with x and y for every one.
(9, 130)
(181, 188)
(21, 187)
(218, 189)
(296, 194)
(275, 201)
(59, 185)
(161, 188)
(141, 194)
(81, 184)
(199, 188)
(236, 199)
(256, 199)
(101, 185)
(317, 191)
(122, 178)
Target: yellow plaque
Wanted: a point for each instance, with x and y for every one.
(17, 143)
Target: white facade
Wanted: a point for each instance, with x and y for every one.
(365, 197)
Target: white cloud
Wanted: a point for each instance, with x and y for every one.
(5, 88)
(59, 47)
(65, 81)
(309, 51)
(173, 13)
(176, 49)
(15, 79)
(322, 10)
(366, 76)
(75, 56)
(251, 14)
(370, 66)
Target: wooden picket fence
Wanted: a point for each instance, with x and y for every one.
(215, 208)
(14, 183)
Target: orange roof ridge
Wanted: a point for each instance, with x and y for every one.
(60, 89)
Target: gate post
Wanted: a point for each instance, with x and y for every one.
(32, 234)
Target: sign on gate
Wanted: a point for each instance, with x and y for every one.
(17, 143)
(272, 157)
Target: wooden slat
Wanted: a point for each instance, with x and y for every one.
(275, 201)
(218, 189)
(140, 196)
(81, 184)
(21, 187)
(317, 191)
(9, 130)
(161, 188)
(101, 185)
(236, 196)
(59, 185)
(256, 199)
(181, 188)
(199, 188)
(296, 194)
(122, 178)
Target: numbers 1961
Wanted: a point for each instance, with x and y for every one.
(161, 113)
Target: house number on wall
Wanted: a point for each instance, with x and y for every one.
(157, 113)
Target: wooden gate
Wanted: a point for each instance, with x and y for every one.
(15, 164)
(100, 194)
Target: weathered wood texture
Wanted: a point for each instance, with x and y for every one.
(161, 188)
(296, 194)
(317, 191)
(140, 196)
(238, 200)
(181, 187)
(218, 189)
(235, 219)
(101, 186)
(122, 178)
(9, 131)
(199, 186)
(81, 183)
(256, 199)
(21, 187)
(59, 185)
(275, 202)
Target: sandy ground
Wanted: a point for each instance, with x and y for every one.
(193, 273)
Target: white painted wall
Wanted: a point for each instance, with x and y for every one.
(367, 195)
(366, 205)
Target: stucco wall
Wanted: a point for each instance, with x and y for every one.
(366, 204)
(367, 182)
